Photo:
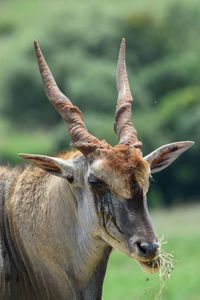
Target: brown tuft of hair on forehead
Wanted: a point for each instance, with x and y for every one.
(126, 159)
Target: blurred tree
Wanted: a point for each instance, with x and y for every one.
(149, 39)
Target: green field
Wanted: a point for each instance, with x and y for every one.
(181, 229)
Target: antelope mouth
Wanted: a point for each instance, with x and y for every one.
(151, 266)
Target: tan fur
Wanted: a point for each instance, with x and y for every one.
(8, 181)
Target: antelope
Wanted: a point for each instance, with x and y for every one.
(62, 216)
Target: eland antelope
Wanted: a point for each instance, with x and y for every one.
(61, 217)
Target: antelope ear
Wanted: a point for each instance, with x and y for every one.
(165, 155)
(56, 166)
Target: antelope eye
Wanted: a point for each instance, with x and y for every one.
(96, 182)
(99, 187)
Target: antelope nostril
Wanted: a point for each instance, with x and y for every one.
(147, 250)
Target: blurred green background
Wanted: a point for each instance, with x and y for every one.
(80, 41)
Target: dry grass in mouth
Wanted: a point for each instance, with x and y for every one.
(165, 263)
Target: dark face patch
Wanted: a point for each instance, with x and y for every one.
(119, 216)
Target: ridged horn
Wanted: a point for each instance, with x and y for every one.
(123, 126)
(81, 138)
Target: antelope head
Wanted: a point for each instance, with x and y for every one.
(111, 183)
